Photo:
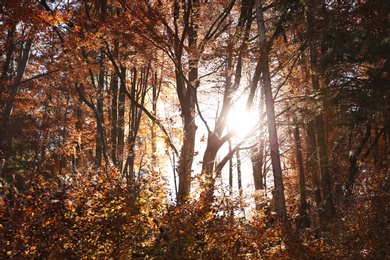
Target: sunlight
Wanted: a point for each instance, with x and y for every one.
(242, 121)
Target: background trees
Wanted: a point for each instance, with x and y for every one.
(97, 96)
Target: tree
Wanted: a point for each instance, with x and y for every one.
(278, 193)
(92, 94)
(303, 206)
(217, 138)
(323, 159)
(177, 34)
(28, 32)
(360, 93)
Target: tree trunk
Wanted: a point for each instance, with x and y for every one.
(239, 180)
(329, 210)
(155, 94)
(187, 97)
(215, 139)
(258, 153)
(328, 206)
(303, 220)
(6, 135)
(187, 100)
(312, 165)
(230, 182)
(257, 159)
(99, 114)
(354, 155)
(186, 154)
(121, 119)
(139, 86)
(114, 110)
(278, 193)
(114, 119)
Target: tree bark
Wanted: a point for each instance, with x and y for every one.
(239, 180)
(114, 118)
(258, 153)
(155, 94)
(121, 119)
(303, 215)
(230, 202)
(187, 97)
(278, 193)
(257, 159)
(186, 154)
(312, 165)
(328, 206)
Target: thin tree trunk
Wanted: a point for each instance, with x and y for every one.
(239, 179)
(5, 126)
(114, 119)
(328, 206)
(155, 94)
(230, 182)
(9, 46)
(78, 156)
(99, 117)
(278, 193)
(257, 159)
(258, 156)
(138, 93)
(312, 165)
(329, 210)
(303, 215)
(114, 111)
(121, 118)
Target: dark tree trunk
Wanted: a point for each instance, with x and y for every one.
(121, 119)
(303, 220)
(257, 159)
(114, 119)
(328, 206)
(239, 179)
(6, 135)
(278, 193)
(354, 156)
(312, 165)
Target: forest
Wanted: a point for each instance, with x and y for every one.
(195, 129)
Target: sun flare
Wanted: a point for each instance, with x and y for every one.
(242, 121)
